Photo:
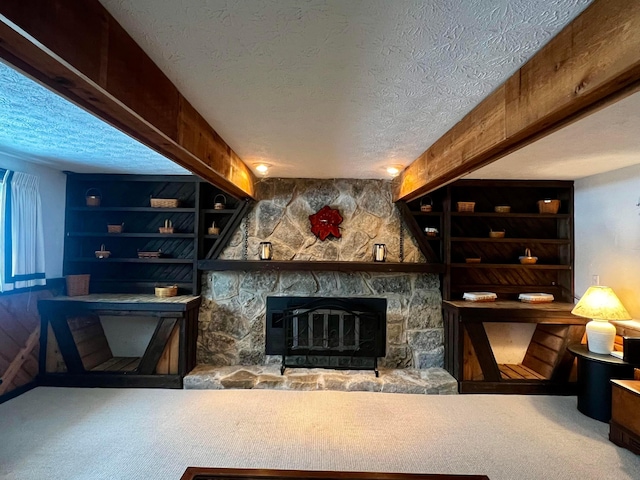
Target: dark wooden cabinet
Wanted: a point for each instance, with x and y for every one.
(547, 364)
(74, 350)
(126, 200)
(476, 261)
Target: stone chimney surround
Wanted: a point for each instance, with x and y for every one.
(233, 312)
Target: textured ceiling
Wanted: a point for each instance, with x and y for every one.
(37, 125)
(338, 88)
(604, 141)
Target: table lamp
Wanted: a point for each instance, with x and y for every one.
(601, 305)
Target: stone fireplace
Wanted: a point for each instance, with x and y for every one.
(233, 317)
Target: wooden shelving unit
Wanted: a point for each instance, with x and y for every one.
(125, 199)
(463, 235)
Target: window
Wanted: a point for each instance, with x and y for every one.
(21, 232)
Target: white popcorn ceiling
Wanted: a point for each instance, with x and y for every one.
(338, 88)
(38, 126)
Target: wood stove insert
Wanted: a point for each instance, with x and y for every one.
(338, 333)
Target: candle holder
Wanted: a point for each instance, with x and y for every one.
(266, 251)
(379, 252)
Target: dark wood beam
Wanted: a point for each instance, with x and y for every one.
(77, 49)
(593, 62)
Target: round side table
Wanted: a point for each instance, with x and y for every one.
(595, 372)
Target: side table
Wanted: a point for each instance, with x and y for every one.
(595, 372)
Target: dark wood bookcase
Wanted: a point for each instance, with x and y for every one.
(465, 235)
(125, 199)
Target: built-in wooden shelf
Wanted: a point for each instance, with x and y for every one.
(511, 215)
(131, 260)
(516, 266)
(133, 209)
(426, 214)
(227, 211)
(131, 235)
(319, 266)
(555, 241)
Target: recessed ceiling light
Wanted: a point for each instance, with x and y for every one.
(262, 167)
(394, 170)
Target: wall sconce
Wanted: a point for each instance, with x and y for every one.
(600, 304)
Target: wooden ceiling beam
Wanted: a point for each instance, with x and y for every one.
(77, 49)
(591, 63)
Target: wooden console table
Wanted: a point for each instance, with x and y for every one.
(71, 328)
(547, 364)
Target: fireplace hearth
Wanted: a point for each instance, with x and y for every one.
(337, 333)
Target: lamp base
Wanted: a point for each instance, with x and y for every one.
(600, 336)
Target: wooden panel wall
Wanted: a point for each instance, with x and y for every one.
(19, 338)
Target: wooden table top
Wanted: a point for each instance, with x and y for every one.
(125, 301)
(198, 473)
(511, 305)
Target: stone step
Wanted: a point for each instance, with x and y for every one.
(436, 381)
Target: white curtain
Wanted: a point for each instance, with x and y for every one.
(21, 233)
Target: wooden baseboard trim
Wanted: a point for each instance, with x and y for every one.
(18, 391)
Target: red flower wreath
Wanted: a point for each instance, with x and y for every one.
(325, 222)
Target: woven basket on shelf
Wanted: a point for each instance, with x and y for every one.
(466, 206)
(115, 228)
(548, 206)
(219, 202)
(93, 197)
(213, 230)
(496, 233)
(426, 204)
(165, 202)
(168, 227)
(103, 252)
(169, 291)
(77, 285)
(502, 209)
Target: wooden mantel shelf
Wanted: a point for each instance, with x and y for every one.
(318, 266)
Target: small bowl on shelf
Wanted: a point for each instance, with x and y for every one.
(431, 232)
(496, 233)
(502, 209)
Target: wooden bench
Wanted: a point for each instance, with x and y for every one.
(93, 347)
(546, 356)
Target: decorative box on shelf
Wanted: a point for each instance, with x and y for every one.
(480, 296)
(535, 297)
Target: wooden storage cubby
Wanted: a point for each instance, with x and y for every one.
(125, 199)
(432, 247)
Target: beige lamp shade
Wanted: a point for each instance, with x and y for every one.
(601, 303)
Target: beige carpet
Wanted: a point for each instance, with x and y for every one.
(155, 434)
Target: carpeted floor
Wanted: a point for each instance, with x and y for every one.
(155, 434)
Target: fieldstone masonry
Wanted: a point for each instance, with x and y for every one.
(233, 312)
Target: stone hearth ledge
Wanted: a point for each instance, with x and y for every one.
(435, 381)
